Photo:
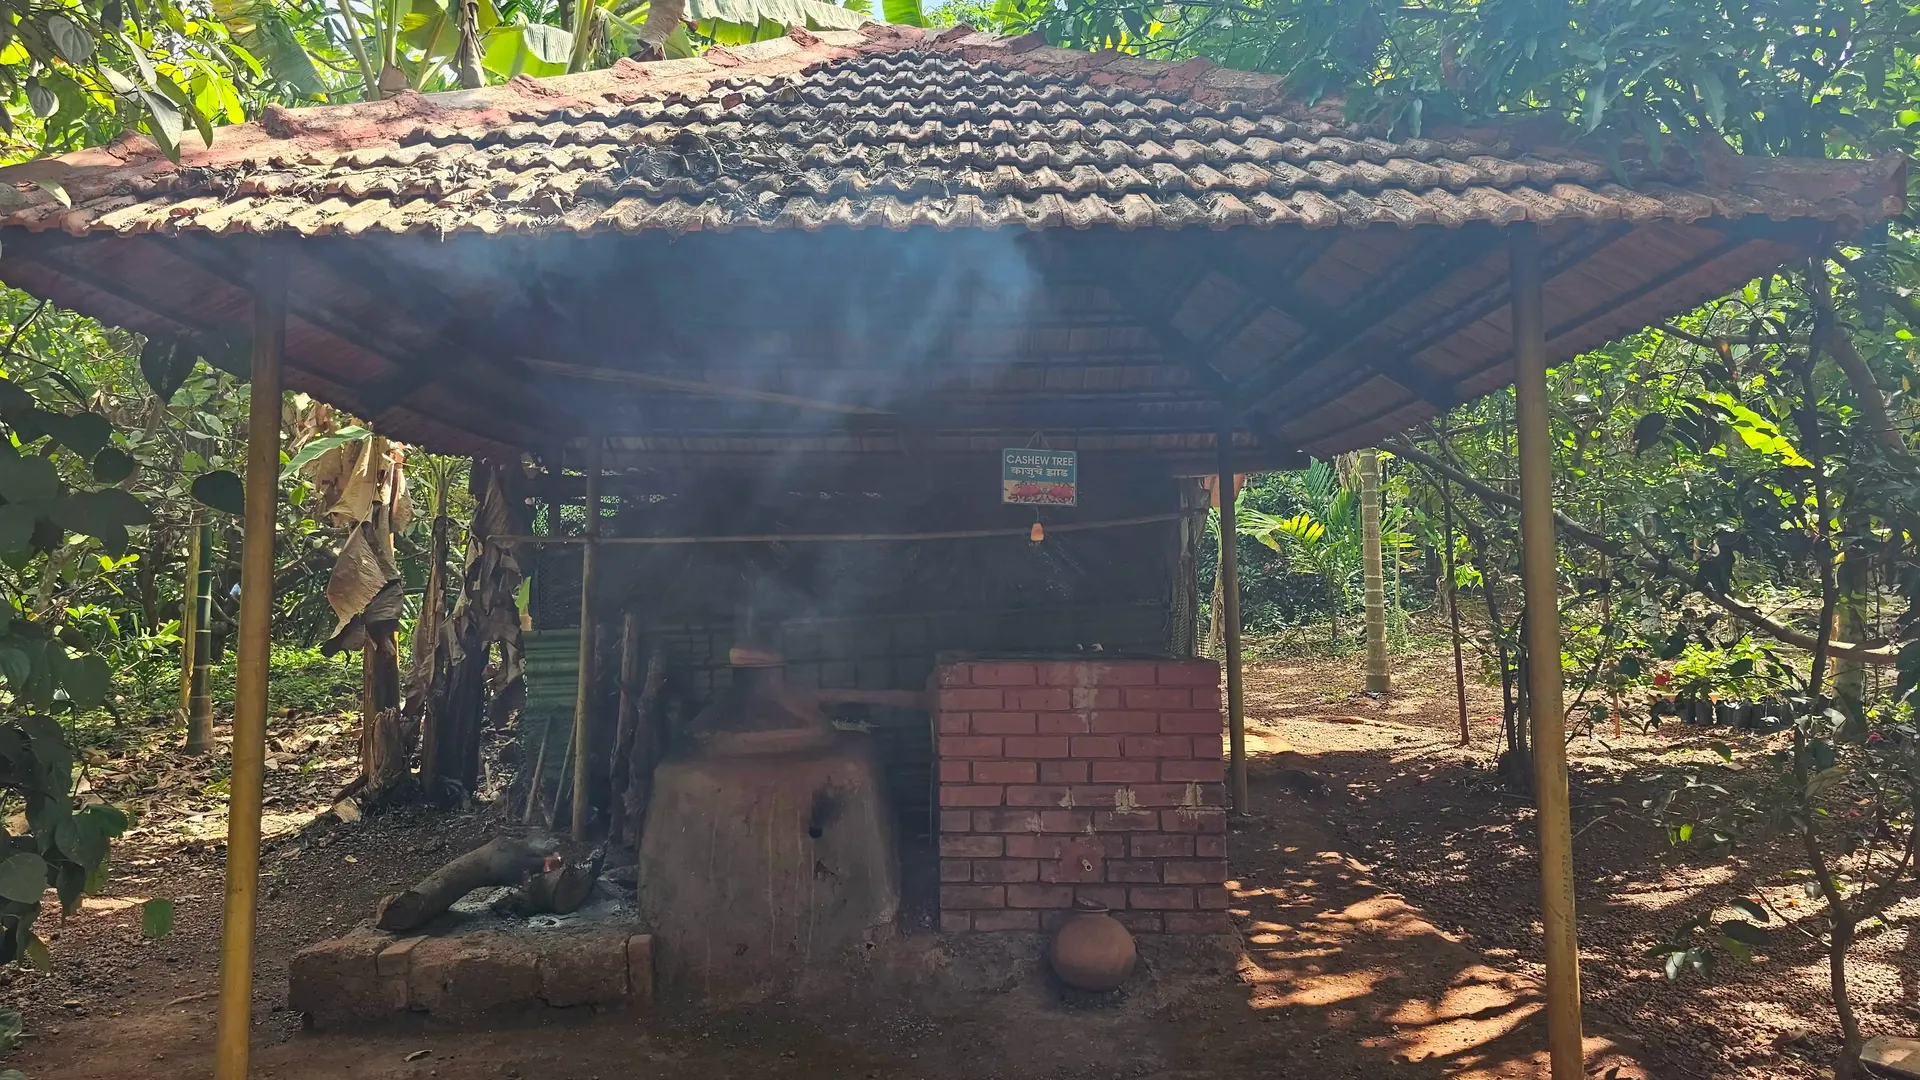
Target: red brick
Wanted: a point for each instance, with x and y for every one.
(1039, 896)
(1140, 922)
(1187, 674)
(1003, 772)
(955, 772)
(1001, 674)
(972, 897)
(1004, 870)
(1156, 746)
(955, 922)
(1122, 674)
(1126, 821)
(1194, 821)
(1036, 795)
(1095, 795)
(1160, 846)
(971, 847)
(1065, 821)
(956, 870)
(1034, 847)
(1074, 866)
(1199, 922)
(954, 675)
(1040, 746)
(969, 746)
(1205, 772)
(1210, 796)
(991, 921)
(1160, 898)
(1114, 896)
(953, 723)
(1210, 847)
(1093, 746)
(1121, 722)
(1157, 697)
(1161, 795)
(1005, 821)
(1063, 772)
(1207, 747)
(972, 795)
(955, 821)
(1061, 673)
(1096, 697)
(1061, 723)
(1003, 723)
(1136, 871)
(1125, 772)
(1206, 699)
(1040, 699)
(1210, 898)
(970, 698)
(1195, 871)
(1178, 723)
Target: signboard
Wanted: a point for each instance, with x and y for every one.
(1039, 477)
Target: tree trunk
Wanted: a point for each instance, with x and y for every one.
(1453, 609)
(383, 742)
(1374, 578)
(1855, 574)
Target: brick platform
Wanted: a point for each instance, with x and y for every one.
(1064, 778)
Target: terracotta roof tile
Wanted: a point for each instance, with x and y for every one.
(890, 128)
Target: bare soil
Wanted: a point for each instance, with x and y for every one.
(1390, 928)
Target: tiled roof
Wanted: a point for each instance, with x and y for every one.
(888, 127)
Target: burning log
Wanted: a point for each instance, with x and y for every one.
(500, 861)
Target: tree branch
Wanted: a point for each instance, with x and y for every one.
(1652, 562)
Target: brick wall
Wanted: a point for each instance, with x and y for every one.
(1066, 779)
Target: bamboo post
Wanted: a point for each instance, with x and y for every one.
(200, 691)
(189, 600)
(1372, 573)
(1453, 610)
(235, 1011)
(1230, 601)
(624, 725)
(583, 692)
(1540, 581)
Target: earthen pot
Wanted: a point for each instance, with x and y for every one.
(1091, 950)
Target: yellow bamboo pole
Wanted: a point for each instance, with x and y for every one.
(1539, 565)
(189, 593)
(235, 1012)
(583, 692)
(1230, 601)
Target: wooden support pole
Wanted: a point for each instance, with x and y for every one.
(200, 693)
(189, 599)
(235, 1012)
(1539, 564)
(1230, 600)
(583, 693)
(1379, 680)
(1453, 607)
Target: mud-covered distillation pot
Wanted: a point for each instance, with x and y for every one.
(768, 863)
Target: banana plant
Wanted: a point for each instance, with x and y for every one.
(1324, 535)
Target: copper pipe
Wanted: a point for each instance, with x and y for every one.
(1539, 565)
(583, 692)
(235, 1012)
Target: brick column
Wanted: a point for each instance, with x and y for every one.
(1095, 779)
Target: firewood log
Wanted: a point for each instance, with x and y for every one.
(500, 861)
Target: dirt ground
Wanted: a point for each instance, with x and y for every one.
(1389, 921)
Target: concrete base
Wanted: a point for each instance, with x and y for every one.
(469, 968)
(1890, 1056)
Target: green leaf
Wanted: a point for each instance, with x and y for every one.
(112, 465)
(1752, 909)
(81, 840)
(320, 446)
(520, 48)
(74, 45)
(40, 99)
(105, 514)
(221, 490)
(37, 955)
(156, 918)
(87, 679)
(1647, 431)
(83, 433)
(903, 12)
(17, 668)
(16, 526)
(23, 878)
(165, 365)
(1745, 933)
(29, 479)
(11, 1028)
(166, 123)
(261, 27)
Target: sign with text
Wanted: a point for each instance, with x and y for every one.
(1039, 477)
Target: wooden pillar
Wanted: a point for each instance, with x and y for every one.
(1379, 681)
(1230, 602)
(235, 1011)
(583, 692)
(1539, 563)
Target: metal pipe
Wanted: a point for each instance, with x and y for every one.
(1539, 564)
(235, 1013)
(583, 692)
(1230, 599)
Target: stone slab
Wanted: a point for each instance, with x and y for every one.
(1893, 1056)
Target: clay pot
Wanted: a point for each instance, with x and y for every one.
(1091, 950)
